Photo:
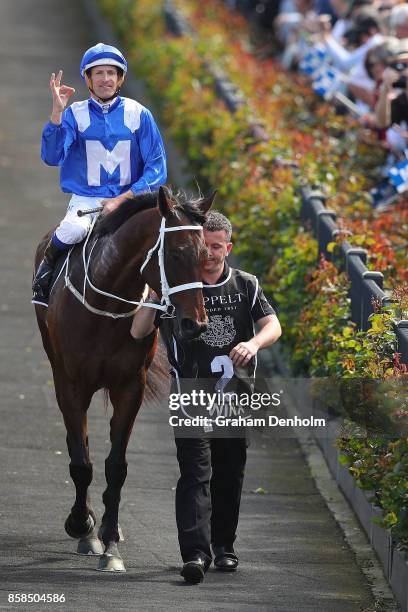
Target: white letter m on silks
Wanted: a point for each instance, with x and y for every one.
(97, 156)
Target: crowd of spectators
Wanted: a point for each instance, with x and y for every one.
(355, 52)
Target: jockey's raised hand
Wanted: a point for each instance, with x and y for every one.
(60, 97)
(108, 148)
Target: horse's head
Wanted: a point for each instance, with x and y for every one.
(183, 255)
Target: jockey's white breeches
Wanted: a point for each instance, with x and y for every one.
(72, 228)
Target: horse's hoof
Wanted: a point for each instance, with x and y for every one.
(111, 563)
(90, 545)
(72, 529)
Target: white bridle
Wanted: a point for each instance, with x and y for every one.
(166, 306)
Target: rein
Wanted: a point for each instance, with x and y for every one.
(165, 305)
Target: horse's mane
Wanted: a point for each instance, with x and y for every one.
(181, 203)
(109, 224)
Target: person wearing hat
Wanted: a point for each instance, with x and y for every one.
(108, 148)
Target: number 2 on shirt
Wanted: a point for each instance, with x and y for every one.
(223, 364)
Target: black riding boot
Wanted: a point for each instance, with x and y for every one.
(42, 279)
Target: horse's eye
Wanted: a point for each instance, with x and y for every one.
(177, 256)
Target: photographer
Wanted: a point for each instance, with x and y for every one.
(365, 86)
(392, 105)
(392, 110)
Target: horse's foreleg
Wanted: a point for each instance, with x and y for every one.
(74, 404)
(126, 403)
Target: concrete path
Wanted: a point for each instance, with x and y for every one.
(293, 555)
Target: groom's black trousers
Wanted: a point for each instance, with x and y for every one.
(208, 493)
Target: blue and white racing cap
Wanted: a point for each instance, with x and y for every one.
(102, 54)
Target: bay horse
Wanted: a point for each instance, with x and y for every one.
(86, 335)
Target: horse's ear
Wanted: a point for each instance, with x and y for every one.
(207, 202)
(165, 202)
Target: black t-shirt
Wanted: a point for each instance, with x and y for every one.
(233, 305)
(399, 108)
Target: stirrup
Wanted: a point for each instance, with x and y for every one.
(41, 292)
(39, 298)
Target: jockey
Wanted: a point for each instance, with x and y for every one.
(108, 147)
